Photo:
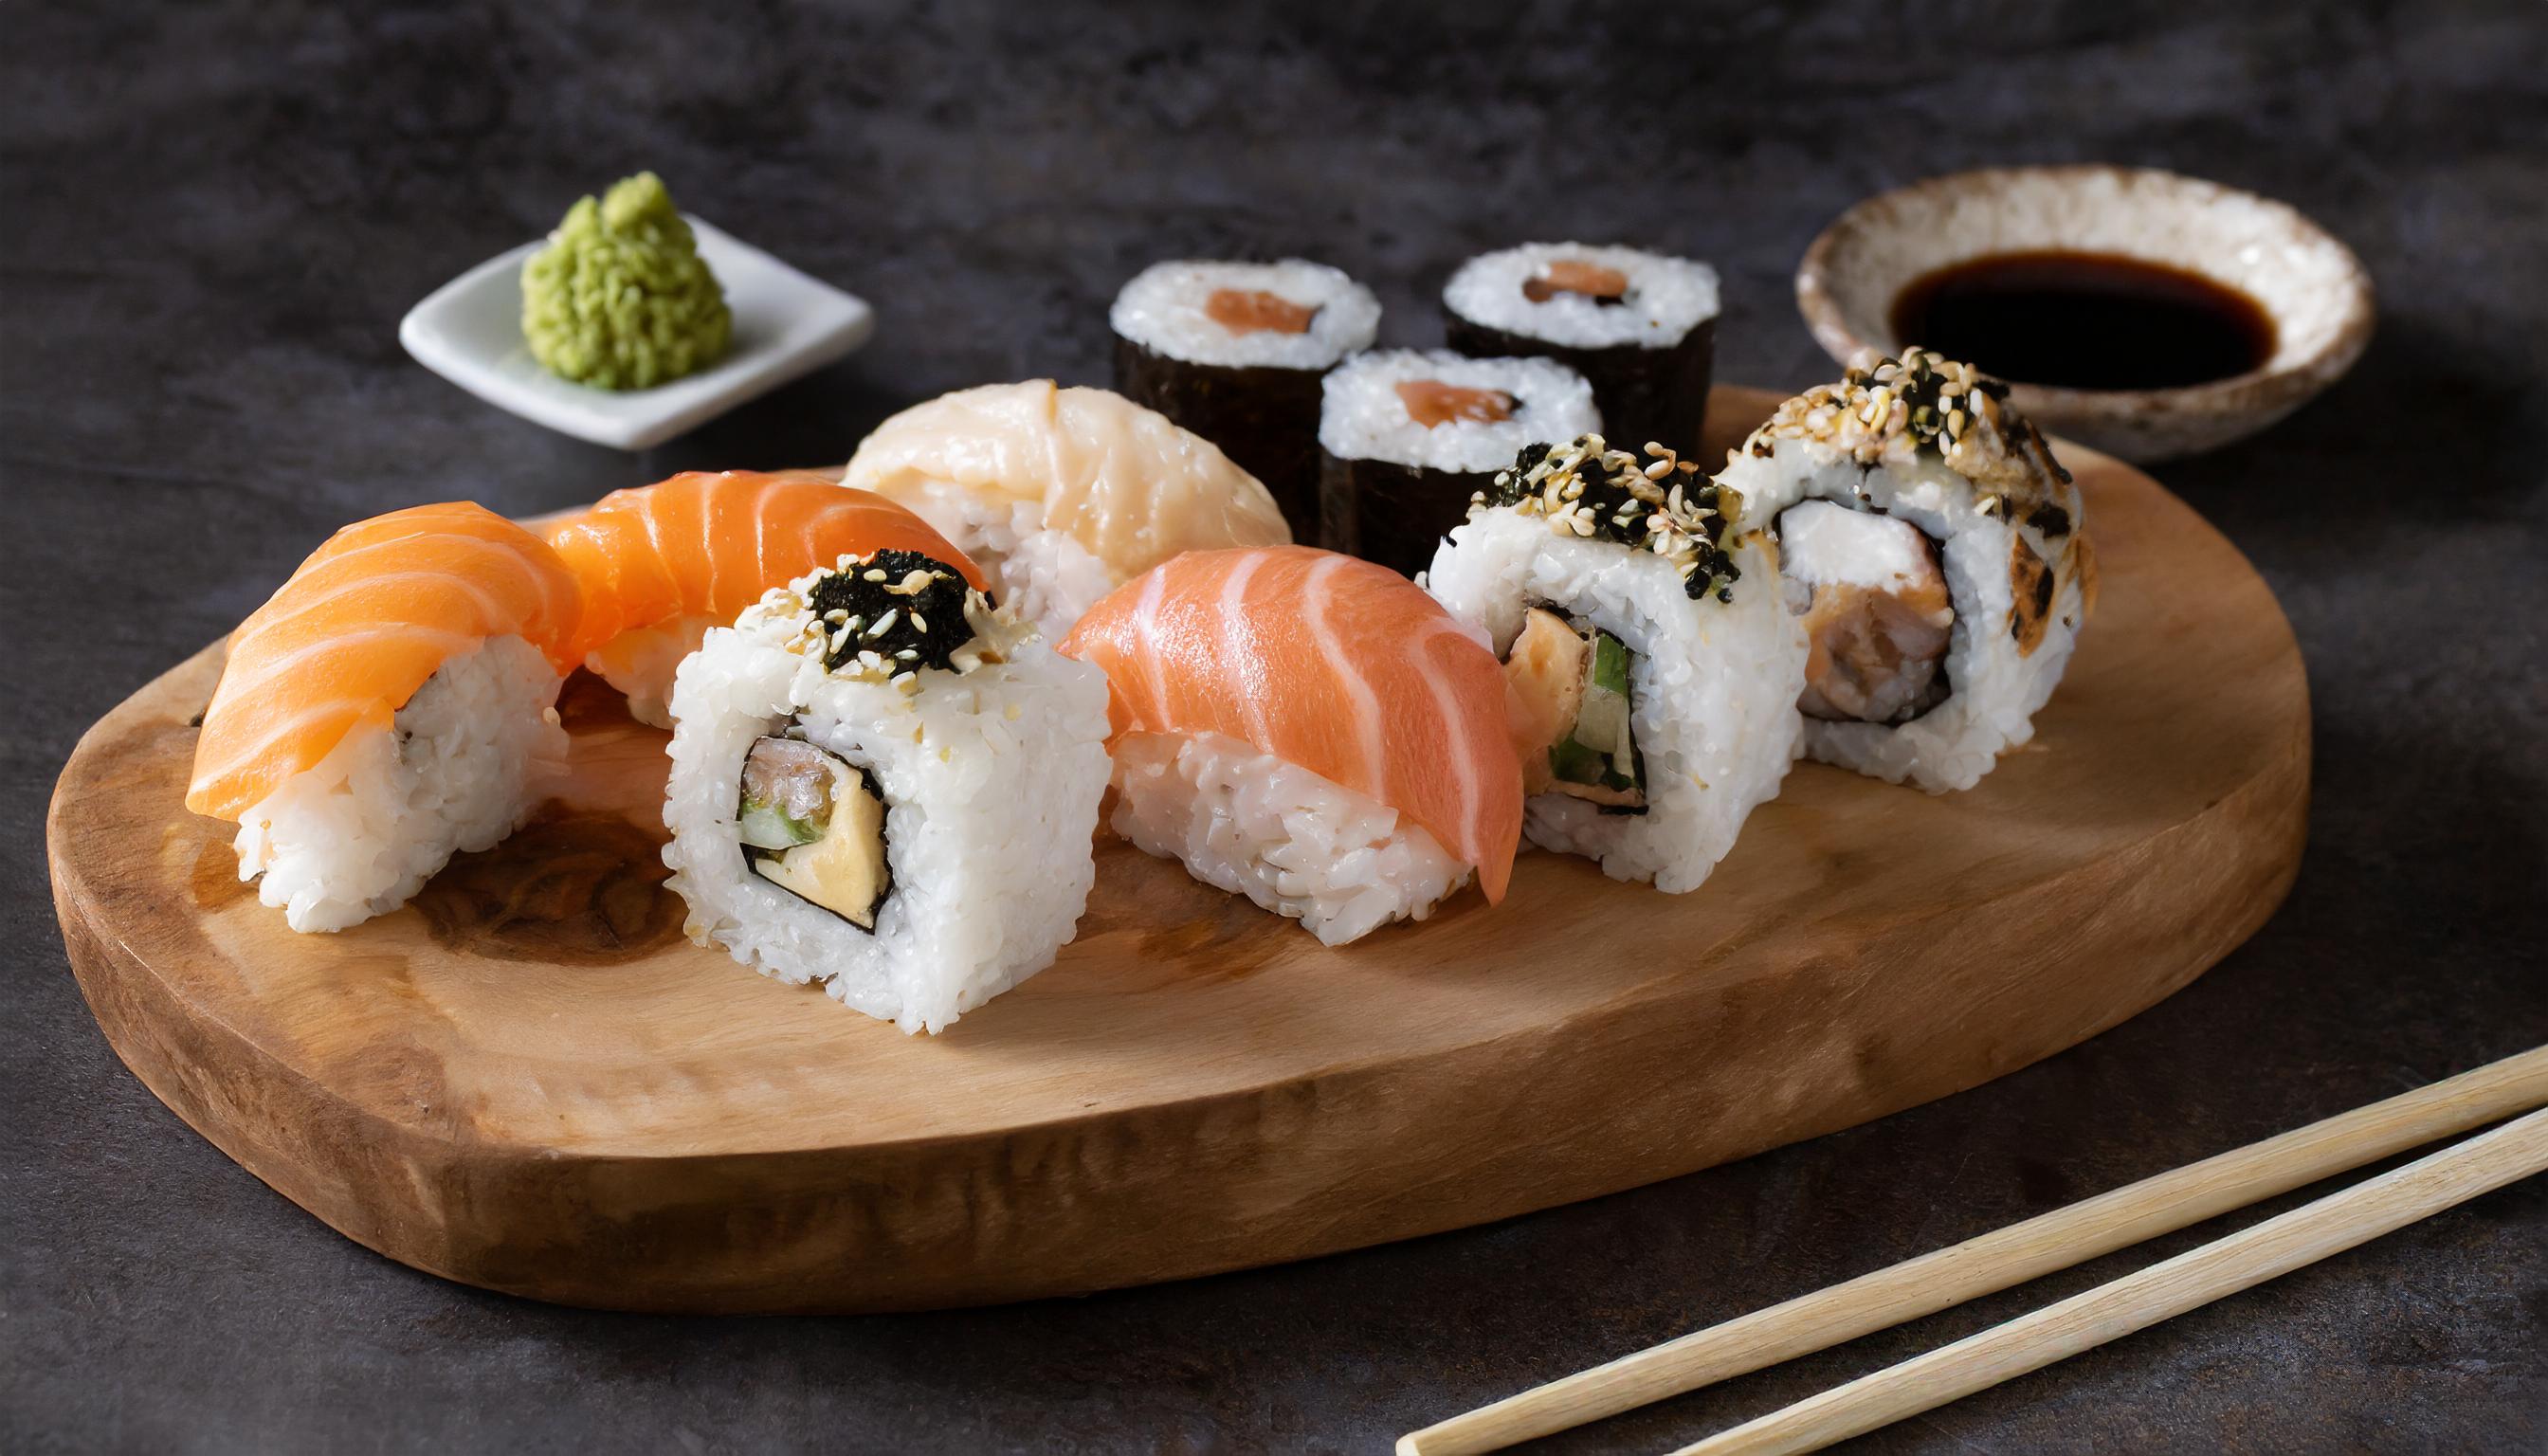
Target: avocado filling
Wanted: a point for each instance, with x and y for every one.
(1572, 709)
(813, 825)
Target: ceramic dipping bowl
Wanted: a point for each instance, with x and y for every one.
(2314, 288)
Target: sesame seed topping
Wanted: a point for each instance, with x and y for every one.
(1921, 402)
(1587, 490)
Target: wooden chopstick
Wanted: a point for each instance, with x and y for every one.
(2164, 1291)
(1997, 1260)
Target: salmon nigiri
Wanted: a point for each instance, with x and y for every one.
(1310, 730)
(662, 564)
(391, 704)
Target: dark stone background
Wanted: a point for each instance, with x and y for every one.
(215, 216)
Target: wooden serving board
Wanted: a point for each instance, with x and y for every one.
(528, 1080)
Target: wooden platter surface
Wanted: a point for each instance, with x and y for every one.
(529, 1081)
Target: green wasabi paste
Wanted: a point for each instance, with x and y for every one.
(621, 298)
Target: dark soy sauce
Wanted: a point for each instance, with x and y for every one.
(2086, 321)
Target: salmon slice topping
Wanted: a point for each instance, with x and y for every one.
(1245, 311)
(1339, 666)
(1432, 403)
(709, 544)
(1576, 276)
(373, 614)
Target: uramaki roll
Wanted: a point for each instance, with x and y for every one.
(1652, 663)
(1936, 551)
(883, 785)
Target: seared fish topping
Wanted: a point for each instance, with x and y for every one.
(1925, 401)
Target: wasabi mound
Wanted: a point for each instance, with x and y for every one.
(620, 298)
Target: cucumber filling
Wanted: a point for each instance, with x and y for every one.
(1574, 711)
(813, 824)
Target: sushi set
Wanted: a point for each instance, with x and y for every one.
(1138, 890)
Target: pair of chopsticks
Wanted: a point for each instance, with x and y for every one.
(2056, 1240)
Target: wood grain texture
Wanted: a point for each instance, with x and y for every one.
(527, 1080)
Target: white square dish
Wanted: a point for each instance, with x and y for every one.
(785, 324)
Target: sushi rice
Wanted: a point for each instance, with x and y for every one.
(1666, 297)
(1365, 419)
(1309, 730)
(1296, 844)
(459, 768)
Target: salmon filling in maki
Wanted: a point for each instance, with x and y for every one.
(1577, 276)
(1432, 403)
(1254, 311)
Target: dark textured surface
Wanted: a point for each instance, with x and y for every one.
(214, 219)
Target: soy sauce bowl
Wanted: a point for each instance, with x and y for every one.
(2311, 285)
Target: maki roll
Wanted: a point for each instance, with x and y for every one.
(1933, 550)
(392, 704)
(1062, 494)
(1640, 325)
(1310, 731)
(1406, 437)
(882, 783)
(662, 564)
(1233, 352)
(1653, 663)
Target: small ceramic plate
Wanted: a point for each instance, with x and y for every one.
(2317, 291)
(785, 324)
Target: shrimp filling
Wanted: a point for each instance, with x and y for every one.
(1577, 276)
(1248, 310)
(1876, 609)
(1432, 403)
(814, 826)
(1568, 691)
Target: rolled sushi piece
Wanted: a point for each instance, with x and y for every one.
(1640, 325)
(1233, 351)
(660, 565)
(1653, 663)
(1935, 552)
(390, 705)
(1310, 731)
(1407, 436)
(883, 785)
(1062, 494)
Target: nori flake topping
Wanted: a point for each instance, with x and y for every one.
(905, 607)
(1931, 403)
(1661, 505)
